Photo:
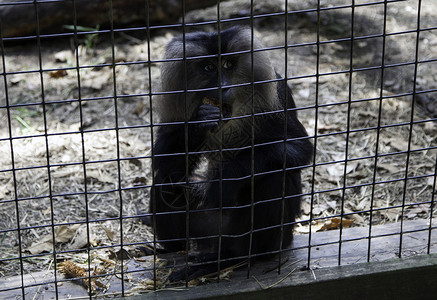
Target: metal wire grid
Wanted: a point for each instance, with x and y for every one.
(184, 26)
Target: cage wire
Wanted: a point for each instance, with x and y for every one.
(77, 108)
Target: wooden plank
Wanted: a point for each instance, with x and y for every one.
(385, 243)
(324, 261)
(410, 278)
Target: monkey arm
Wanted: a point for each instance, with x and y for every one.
(170, 193)
(170, 157)
(298, 149)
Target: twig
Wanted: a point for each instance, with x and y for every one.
(314, 274)
(274, 284)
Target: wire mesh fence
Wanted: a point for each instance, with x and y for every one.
(126, 140)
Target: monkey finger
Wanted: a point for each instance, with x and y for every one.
(208, 125)
(208, 112)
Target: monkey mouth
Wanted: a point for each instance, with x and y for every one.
(226, 108)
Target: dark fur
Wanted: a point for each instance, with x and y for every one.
(225, 208)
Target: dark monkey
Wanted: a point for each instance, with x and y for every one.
(224, 122)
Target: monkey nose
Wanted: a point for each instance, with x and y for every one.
(226, 110)
(225, 90)
(226, 94)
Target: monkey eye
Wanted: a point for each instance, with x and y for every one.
(209, 67)
(227, 64)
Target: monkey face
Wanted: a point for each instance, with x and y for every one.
(217, 81)
(231, 72)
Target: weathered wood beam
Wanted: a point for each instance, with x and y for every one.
(20, 19)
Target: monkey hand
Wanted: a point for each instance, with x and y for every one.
(206, 120)
(210, 114)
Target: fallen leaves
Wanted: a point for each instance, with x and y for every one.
(391, 168)
(72, 270)
(77, 234)
(401, 144)
(336, 223)
(58, 74)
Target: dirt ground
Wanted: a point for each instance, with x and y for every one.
(118, 162)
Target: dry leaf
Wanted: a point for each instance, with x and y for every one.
(80, 240)
(96, 174)
(72, 270)
(60, 173)
(416, 211)
(388, 167)
(63, 56)
(98, 80)
(63, 234)
(15, 79)
(337, 170)
(336, 223)
(109, 233)
(305, 208)
(402, 145)
(58, 74)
